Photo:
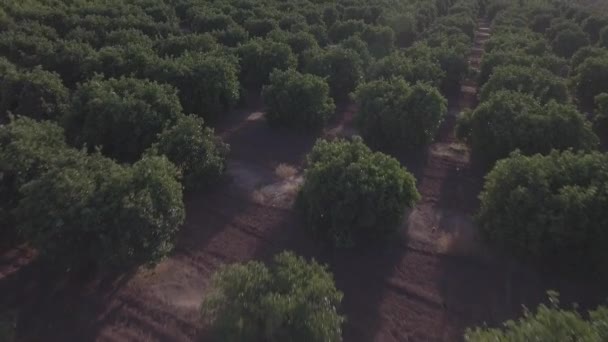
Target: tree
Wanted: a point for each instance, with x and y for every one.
(344, 29)
(195, 150)
(567, 42)
(593, 25)
(352, 195)
(590, 79)
(289, 300)
(342, 68)
(297, 100)
(27, 150)
(523, 40)
(451, 59)
(508, 121)
(37, 93)
(603, 40)
(231, 36)
(260, 57)
(393, 114)
(585, 53)
(176, 46)
(94, 210)
(404, 26)
(548, 323)
(207, 84)
(557, 65)
(537, 82)
(412, 70)
(259, 27)
(380, 39)
(600, 121)
(74, 61)
(122, 116)
(548, 208)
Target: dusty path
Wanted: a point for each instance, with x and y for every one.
(427, 285)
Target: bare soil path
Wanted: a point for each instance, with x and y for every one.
(428, 284)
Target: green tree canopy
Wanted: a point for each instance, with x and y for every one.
(351, 194)
(392, 114)
(123, 116)
(37, 93)
(537, 82)
(297, 100)
(289, 300)
(195, 150)
(547, 323)
(508, 121)
(548, 208)
(342, 67)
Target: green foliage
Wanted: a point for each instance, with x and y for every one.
(524, 40)
(24, 49)
(600, 122)
(207, 84)
(590, 79)
(548, 323)
(289, 300)
(412, 70)
(404, 26)
(122, 116)
(27, 150)
(491, 61)
(351, 194)
(451, 56)
(548, 208)
(508, 121)
(297, 100)
(536, 82)
(341, 30)
(593, 25)
(259, 27)
(394, 115)
(131, 60)
(74, 61)
(195, 150)
(175, 46)
(76, 208)
(95, 210)
(37, 93)
(260, 57)
(380, 40)
(567, 42)
(587, 52)
(342, 67)
(231, 36)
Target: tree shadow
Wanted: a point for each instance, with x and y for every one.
(61, 306)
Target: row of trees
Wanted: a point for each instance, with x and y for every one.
(544, 201)
(539, 202)
(351, 195)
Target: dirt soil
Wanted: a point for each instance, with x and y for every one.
(428, 284)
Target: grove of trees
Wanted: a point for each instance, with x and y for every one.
(351, 194)
(511, 120)
(393, 114)
(79, 209)
(297, 100)
(107, 109)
